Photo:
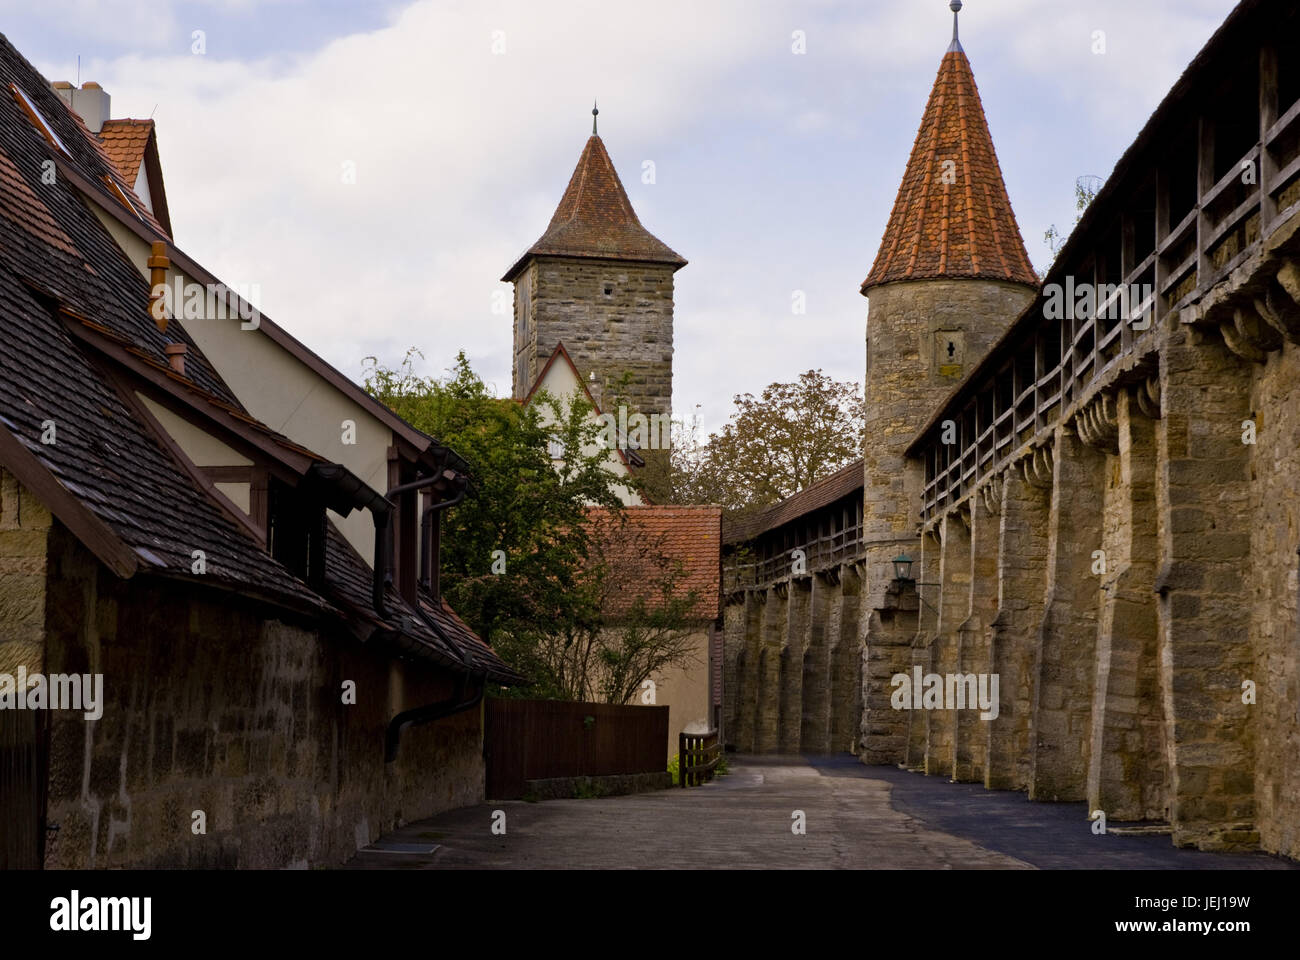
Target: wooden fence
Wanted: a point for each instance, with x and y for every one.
(697, 757)
(542, 739)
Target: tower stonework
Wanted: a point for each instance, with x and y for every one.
(950, 277)
(601, 284)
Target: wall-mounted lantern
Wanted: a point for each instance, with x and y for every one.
(902, 567)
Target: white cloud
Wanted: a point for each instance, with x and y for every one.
(774, 171)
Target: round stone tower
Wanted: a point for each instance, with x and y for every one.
(950, 276)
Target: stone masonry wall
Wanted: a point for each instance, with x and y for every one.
(908, 375)
(629, 330)
(213, 706)
(1274, 538)
(796, 654)
(24, 533)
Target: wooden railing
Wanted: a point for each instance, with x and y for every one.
(698, 755)
(819, 553)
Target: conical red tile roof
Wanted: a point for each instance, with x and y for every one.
(595, 219)
(964, 227)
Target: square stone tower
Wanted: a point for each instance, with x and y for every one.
(601, 284)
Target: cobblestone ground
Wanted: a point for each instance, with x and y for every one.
(857, 817)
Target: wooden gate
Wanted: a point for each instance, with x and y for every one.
(24, 758)
(541, 739)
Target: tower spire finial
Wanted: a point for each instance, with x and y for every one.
(594, 113)
(955, 7)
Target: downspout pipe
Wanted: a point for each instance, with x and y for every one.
(427, 714)
(418, 716)
(427, 559)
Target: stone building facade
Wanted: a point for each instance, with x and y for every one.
(213, 706)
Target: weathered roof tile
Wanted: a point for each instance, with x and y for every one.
(952, 216)
(595, 219)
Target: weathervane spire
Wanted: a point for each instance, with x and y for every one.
(955, 7)
(594, 112)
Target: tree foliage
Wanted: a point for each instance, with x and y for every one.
(773, 446)
(553, 594)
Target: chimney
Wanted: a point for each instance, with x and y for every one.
(91, 103)
(158, 263)
(176, 357)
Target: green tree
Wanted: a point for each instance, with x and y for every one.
(551, 613)
(774, 445)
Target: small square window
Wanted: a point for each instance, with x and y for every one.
(609, 289)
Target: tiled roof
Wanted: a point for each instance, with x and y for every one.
(595, 219)
(124, 142)
(349, 586)
(824, 492)
(952, 216)
(481, 655)
(689, 535)
(62, 272)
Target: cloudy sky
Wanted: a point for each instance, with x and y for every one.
(463, 119)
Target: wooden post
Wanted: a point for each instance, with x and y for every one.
(1268, 107)
(1162, 235)
(1204, 181)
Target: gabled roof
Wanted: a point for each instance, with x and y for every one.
(88, 168)
(131, 144)
(843, 482)
(124, 141)
(561, 355)
(595, 220)
(78, 340)
(952, 217)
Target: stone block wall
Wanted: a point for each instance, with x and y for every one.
(628, 330)
(214, 704)
(24, 534)
(908, 375)
(1142, 611)
(797, 654)
(1272, 590)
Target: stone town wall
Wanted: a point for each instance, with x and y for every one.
(1146, 569)
(1274, 537)
(211, 706)
(792, 655)
(923, 337)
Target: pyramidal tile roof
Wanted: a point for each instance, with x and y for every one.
(952, 216)
(595, 219)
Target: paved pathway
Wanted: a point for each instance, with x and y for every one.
(856, 817)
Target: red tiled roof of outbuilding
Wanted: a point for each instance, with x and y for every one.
(688, 536)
